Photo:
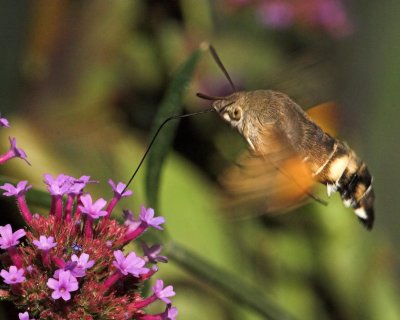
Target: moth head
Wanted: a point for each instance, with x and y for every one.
(230, 109)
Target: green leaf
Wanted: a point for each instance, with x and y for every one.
(230, 285)
(171, 105)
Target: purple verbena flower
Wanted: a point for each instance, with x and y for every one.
(163, 293)
(147, 216)
(93, 210)
(45, 243)
(152, 254)
(13, 152)
(8, 238)
(77, 185)
(24, 316)
(84, 250)
(129, 264)
(62, 286)
(21, 188)
(4, 122)
(130, 221)
(18, 152)
(119, 189)
(58, 186)
(13, 276)
(171, 313)
(82, 263)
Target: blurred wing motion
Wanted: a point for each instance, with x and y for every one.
(326, 116)
(274, 178)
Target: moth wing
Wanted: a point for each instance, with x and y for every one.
(326, 115)
(272, 178)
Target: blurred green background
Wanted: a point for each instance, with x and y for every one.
(81, 83)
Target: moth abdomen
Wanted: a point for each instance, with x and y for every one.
(355, 188)
(346, 173)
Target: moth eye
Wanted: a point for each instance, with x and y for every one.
(236, 114)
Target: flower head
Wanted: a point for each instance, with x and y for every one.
(8, 238)
(13, 275)
(71, 257)
(62, 286)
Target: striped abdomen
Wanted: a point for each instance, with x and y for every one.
(345, 172)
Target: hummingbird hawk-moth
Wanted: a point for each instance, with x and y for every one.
(286, 144)
(289, 152)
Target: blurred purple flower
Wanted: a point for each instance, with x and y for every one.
(4, 122)
(152, 253)
(276, 14)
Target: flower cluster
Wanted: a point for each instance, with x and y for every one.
(71, 264)
(327, 15)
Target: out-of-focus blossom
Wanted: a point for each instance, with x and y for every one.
(4, 122)
(329, 16)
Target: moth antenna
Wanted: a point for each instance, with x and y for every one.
(155, 136)
(221, 66)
